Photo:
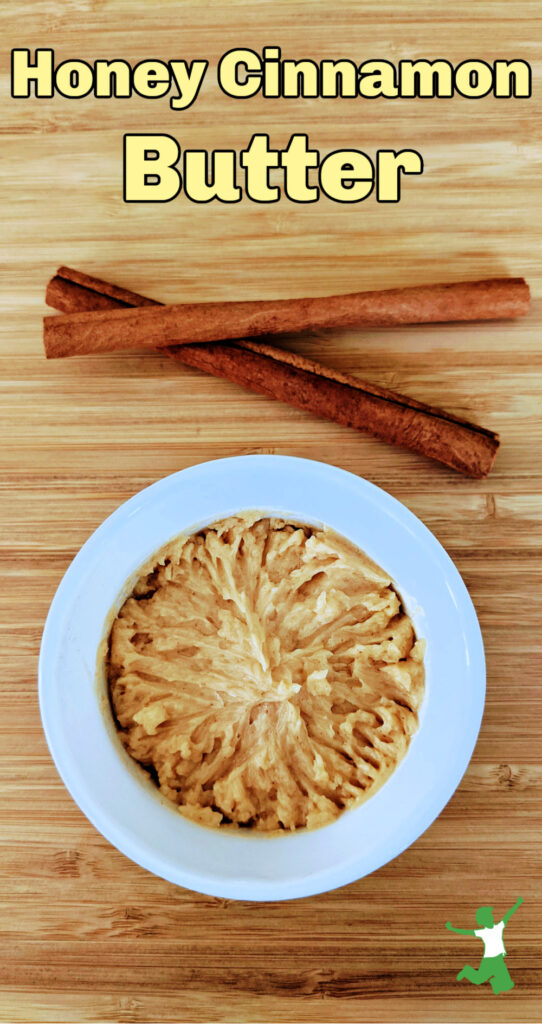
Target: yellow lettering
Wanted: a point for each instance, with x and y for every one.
(23, 72)
(229, 73)
(347, 176)
(223, 185)
(146, 157)
(257, 160)
(390, 165)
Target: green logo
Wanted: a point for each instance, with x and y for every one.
(492, 966)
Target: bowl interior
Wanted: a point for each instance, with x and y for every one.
(118, 797)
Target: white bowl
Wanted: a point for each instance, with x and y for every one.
(116, 795)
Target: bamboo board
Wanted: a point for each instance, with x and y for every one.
(87, 935)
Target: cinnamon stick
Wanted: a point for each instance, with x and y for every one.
(301, 382)
(106, 329)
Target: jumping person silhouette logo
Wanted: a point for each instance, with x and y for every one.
(492, 967)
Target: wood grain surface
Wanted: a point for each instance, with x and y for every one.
(86, 934)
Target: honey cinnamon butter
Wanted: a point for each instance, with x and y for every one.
(265, 673)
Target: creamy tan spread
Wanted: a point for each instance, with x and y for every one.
(266, 674)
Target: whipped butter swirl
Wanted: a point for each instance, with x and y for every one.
(266, 674)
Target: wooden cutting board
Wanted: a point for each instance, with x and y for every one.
(87, 935)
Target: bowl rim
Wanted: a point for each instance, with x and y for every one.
(263, 889)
